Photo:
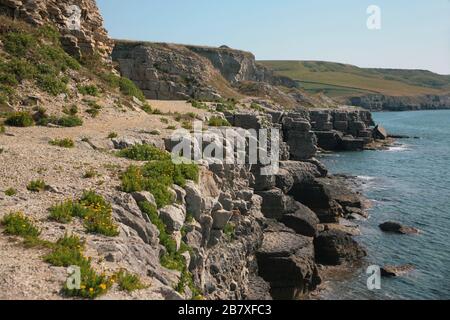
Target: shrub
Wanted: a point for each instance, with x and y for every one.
(218, 122)
(256, 107)
(99, 215)
(63, 212)
(91, 173)
(144, 152)
(72, 110)
(187, 125)
(171, 127)
(128, 88)
(129, 282)
(90, 90)
(198, 105)
(112, 135)
(51, 84)
(20, 119)
(21, 69)
(10, 192)
(147, 108)
(164, 120)
(94, 109)
(17, 224)
(63, 143)
(69, 121)
(18, 43)
(2, 129)
(37, 186)
(230, 231)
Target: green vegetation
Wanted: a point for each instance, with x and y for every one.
(20, 119)
(33, 54)
(65, 121)
(37, 186)
(126, 86)
(90, 173)
(256, 107)
(144, 152)
(112, 135)
(230, 231)
(147, 108)
(342, 80)
(68, 251)
(89, 90)
(198, 104)
(226, 106)
(62, 143)
(156, 177)
(10, 192)
(218, 122)
(2, 129)
(72, 110)
(129, 282)
(17, 224)
(164, 120)
(94, 109)
(173, 258)
(92, 208)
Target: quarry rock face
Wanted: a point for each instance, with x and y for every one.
(378, 102)
(86, 38)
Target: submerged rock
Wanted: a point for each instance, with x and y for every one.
(396, 227)
(396, 271)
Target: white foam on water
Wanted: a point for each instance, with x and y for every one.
(398, 148)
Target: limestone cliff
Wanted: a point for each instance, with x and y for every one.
(378, 102)
(90, 38)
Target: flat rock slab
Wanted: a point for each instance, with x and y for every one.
(283, 244)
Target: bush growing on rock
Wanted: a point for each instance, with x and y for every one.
(144, 152)
(20, 119)
(17, 224)
(218, 122)
(63, 143)
(89, 90)
(94, 109)
(129, 282)
(37, 186)
(10, 192)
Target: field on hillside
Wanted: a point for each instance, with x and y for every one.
(341, 80)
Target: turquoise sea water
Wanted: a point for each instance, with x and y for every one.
(410, 184)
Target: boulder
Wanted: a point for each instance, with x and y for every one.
(221, 218)
(173, 217)
(143, 196)
(126, 211)
(193, 200)
(396, 271)
(380, 133)
(304, 221)
(286, 261)
(335, 247)
(276, 204)
(396, 227)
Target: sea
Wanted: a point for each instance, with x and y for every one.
(408, 183)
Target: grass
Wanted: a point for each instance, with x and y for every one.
(126, 86)
(129, 282)
(144, 152)
(198, 104)
(10, 192)
(64, 212)
(2, 129)
(256, 107)
(72, 110)
(17, 224)
(343, 80)
(218, 122)
(20, 119)
(62, 143)
(37, 186)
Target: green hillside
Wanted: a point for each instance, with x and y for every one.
(342, 80)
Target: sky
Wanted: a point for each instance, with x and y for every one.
(414, 34)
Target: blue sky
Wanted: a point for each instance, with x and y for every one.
(415, 34)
